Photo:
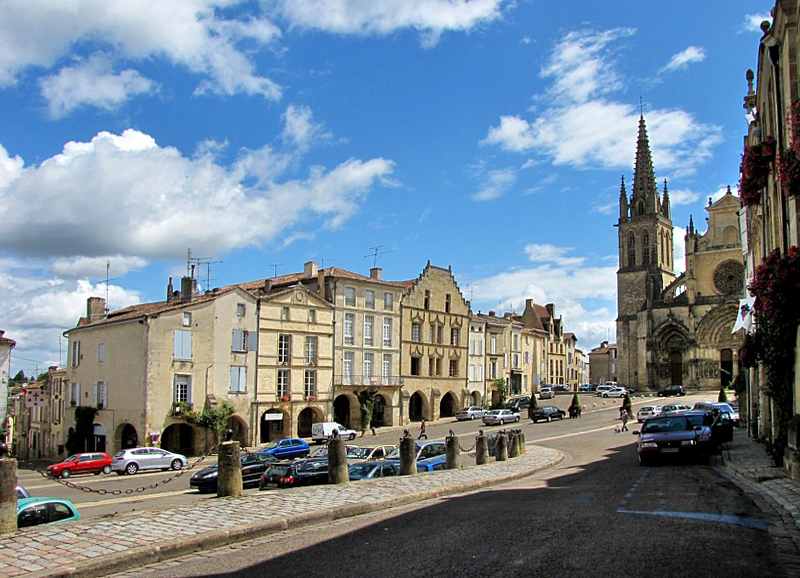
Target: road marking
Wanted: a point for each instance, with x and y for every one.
(138, 496)
(577, 433)
(636, 485)
(754, 523)
(93, 480)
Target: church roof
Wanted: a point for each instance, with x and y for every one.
(644, 180)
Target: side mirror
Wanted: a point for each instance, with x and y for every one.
(635, 432)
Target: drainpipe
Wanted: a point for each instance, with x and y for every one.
(255, 418)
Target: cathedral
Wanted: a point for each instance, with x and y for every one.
(675, 329)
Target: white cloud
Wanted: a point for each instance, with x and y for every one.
(195, 34)
(495, 184)
(679, 248)
(92, 82)
(585, 129)
(150, 202)
(683, 59)
(551, 254)
(683, 197)
(300, 128)
(10, 167)
(365, 17)
(752, 22)
(95, 267)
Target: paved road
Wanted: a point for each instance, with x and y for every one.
(598, 513)
(600, 414)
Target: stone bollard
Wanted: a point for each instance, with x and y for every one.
(513, 444)
(8, 495)
(501, 451)
(337, 461)
(481, 449)
(522, 449)
(229, 477)
(453, 452)
(408, 455)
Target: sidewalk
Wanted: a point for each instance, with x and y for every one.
(99, 547)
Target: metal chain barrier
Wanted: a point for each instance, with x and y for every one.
(102, 491)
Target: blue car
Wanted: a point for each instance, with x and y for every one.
(35, 511)
(286, 449)
(434, 464)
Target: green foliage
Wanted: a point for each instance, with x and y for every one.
(42, 376)
(214, 419)
(502, 391)
(366, 404)
(576, 402)
(533, 403)
(723, 397)
(78, 441)
(19, 378)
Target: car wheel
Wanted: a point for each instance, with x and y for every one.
(471, 416)
(605, 395)
(352, 437)
(176, 464)
(549, 419)
(131, 468)
(517, 420)
(66, 473)
(106, 469)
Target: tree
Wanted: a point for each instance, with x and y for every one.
(19, 378)
(502, 391)
(723, 397)
(212, 418)
(533, 402)
(366, 404)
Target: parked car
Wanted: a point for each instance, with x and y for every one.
(547, 393)
(667, 436)
(715, 430)
(89, 463)
(545, 412)
(369, 453)
(587, 387)
(373, 470)
(22, 492)
(598, 391)
(615, 392)
(674, 408)
(35, 511)
(321, 453)
(562, 387)
(253, 465)
(286, 449)
(434, 464)
(293, 474)
(471, 412)
(517, 404)
(132, 460)
(425, 450)
(500, 417)
(728, 408)
(647, 411)
(323, 430)
(671, 390)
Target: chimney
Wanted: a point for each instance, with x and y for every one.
(188, 287)
(310, 270)
(375, 273)
(95, 309)
(491, 313)
(321, 283)
(170, 290)
(551, 309)
(267, 285)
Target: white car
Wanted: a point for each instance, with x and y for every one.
(674, 408)
(615, 392)
(132, 460)
(647, 411)
(602, 389)
(470, 412)
(725, 407)
(500, 417)
(546, 393)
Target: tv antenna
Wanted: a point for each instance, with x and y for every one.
(376, 252)
(275, 268)
(470, 288)
(107, 280)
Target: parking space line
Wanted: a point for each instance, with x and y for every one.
(753, 523)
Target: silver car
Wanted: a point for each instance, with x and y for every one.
(500, 417)
(470, 412)
(132, 460)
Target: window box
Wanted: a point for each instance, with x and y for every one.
(311, 398)
(286, 398)
(180, 407)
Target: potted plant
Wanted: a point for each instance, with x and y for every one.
(285, 398)
(754, 170)
(311, 398)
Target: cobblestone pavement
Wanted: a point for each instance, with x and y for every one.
(776, 494)
(99, 547)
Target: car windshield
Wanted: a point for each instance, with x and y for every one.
(72, 458)
(358, 471)
(271, 445)
(723, 407)
(277, 470)
(700, 419)
(359, 453)
(666, 424)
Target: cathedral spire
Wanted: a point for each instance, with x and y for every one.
(623, 199)
(665, 208)
(645, 196)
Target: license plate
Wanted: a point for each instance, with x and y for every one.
(272, 485)
(669, 450)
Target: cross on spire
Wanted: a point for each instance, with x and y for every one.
(642, 106)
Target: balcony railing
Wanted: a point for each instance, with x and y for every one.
(368, 380)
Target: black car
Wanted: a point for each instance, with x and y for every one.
(671, 390)
(293, 474)
(545, 412)
(517, 404)
(253, 465)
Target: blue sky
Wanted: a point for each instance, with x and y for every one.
(487, 135)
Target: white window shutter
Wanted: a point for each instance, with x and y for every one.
(252, 338)
(94, 394)
(187, 344)
(104, 394)
(77, 394)
(176, 345)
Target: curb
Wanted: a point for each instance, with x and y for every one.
(177, 547)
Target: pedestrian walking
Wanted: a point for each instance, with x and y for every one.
(624, 417)
(422, 433)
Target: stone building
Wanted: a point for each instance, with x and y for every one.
(675, 329)
(603, 363)
(6, 345)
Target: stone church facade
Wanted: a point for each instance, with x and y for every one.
(675, 329)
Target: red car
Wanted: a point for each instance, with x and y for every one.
(94, 463)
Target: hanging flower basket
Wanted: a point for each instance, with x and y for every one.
(755, 168)
(286, 398)
(311, 398)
